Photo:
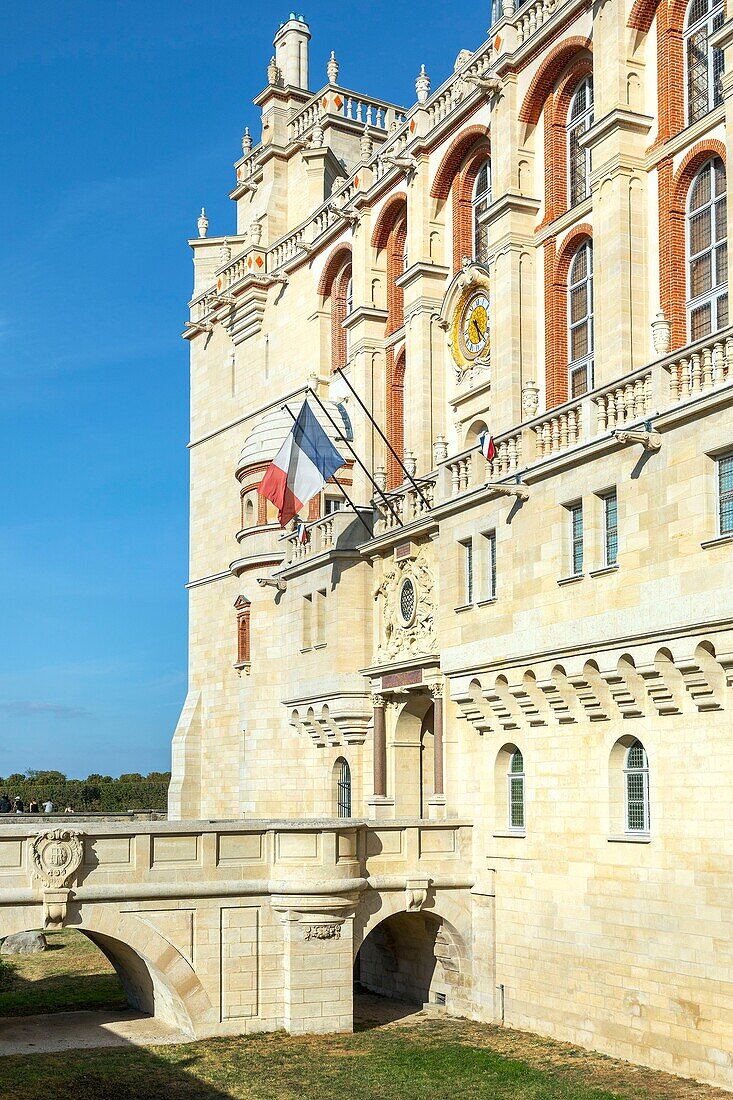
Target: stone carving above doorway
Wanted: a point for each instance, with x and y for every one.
(408, 608)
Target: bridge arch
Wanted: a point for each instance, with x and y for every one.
(418, 956)
(156, 977)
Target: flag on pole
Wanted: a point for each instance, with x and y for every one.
(301, 467)
(486, 445)
(301, 532)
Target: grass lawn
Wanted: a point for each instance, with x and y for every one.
(421, 1058)
(73, 974)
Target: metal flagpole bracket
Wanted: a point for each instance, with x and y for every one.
(521, 492)
(649, 439)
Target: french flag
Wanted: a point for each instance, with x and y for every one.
(486, 445)
(301, 467)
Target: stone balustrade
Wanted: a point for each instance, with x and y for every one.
(158, 859)
(340, 530)
(646, 392)
(377, 114)
(405, 504)
(532, 15)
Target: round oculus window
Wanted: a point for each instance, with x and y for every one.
(408, 602)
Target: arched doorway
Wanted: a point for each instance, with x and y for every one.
(417, 756)
(414, 958)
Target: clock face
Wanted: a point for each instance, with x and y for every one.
(474, 326)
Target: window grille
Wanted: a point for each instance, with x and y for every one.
(480, 203)
(468, 571)
(332, 504)
(516, 790)
(704, 64)
(576, 530)
(725, 494)
(707, 251)
(637, 789)
(344, 789)
(580, 119)
(610, 510)
(580, 321)
(490, 565)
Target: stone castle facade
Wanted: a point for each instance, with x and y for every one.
(510, 680)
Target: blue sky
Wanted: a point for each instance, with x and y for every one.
(117, 122)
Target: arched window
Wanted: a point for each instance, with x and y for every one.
(249, 514)
(343, 788)
(497, 11)
(480, 204)
(580, 321)
(707, 251)
(704, 64)
(516, 790)
(636, 771)
(580, 119)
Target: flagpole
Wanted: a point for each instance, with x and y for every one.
(376, 488)
(357, 513)
(393, 452)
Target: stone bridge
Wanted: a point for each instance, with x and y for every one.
(229, 927)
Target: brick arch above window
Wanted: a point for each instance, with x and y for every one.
(396, 365)
(394, 210)
(556, 311)
(547, 77)
(673, 191)
(339, 258)
(453, 159)
(642, 13)
(690, 166)
(556, 127)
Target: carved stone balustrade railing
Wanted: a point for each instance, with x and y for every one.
(532, 15)
(340, 530)
(701, 369)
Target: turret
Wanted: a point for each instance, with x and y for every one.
(291, 51)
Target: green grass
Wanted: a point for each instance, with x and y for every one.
(423, 1059)
(73, 974)
(402, 1064)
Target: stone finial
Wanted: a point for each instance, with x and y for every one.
(332, 69)
(367, 145)
(461, 60)
(507, 7)
(422, 85)
(255, 233)
(225, 252)
(317, 137)
(661, 333)
(246, 142)
(440, 450)
(380, 478)
(203, 223)
(410, 463)
(273, 73)
(530, 399)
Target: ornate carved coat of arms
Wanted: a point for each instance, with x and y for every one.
(56, 856)
(408, 609)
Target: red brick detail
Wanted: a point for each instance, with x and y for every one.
(395, 414)
(243, 636)
(334, 264)
(314, 508)
(462, 192)
(548, 74)
(642, 14)
(673, 191)
(557, 265)
(338, 316)
(453, 157)
(261, 510)
(394, 208)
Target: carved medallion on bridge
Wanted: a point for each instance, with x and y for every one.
(57, 856)
(322, 932)
(408, 609)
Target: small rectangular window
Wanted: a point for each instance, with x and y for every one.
(490, 543)
(320, 599)
(307, 622)
(332, 504)
(725, 494)
(467, 572)
(610, 512)
(576, 539)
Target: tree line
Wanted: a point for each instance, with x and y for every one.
(131, 791)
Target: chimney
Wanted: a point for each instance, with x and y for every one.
(291, 51)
